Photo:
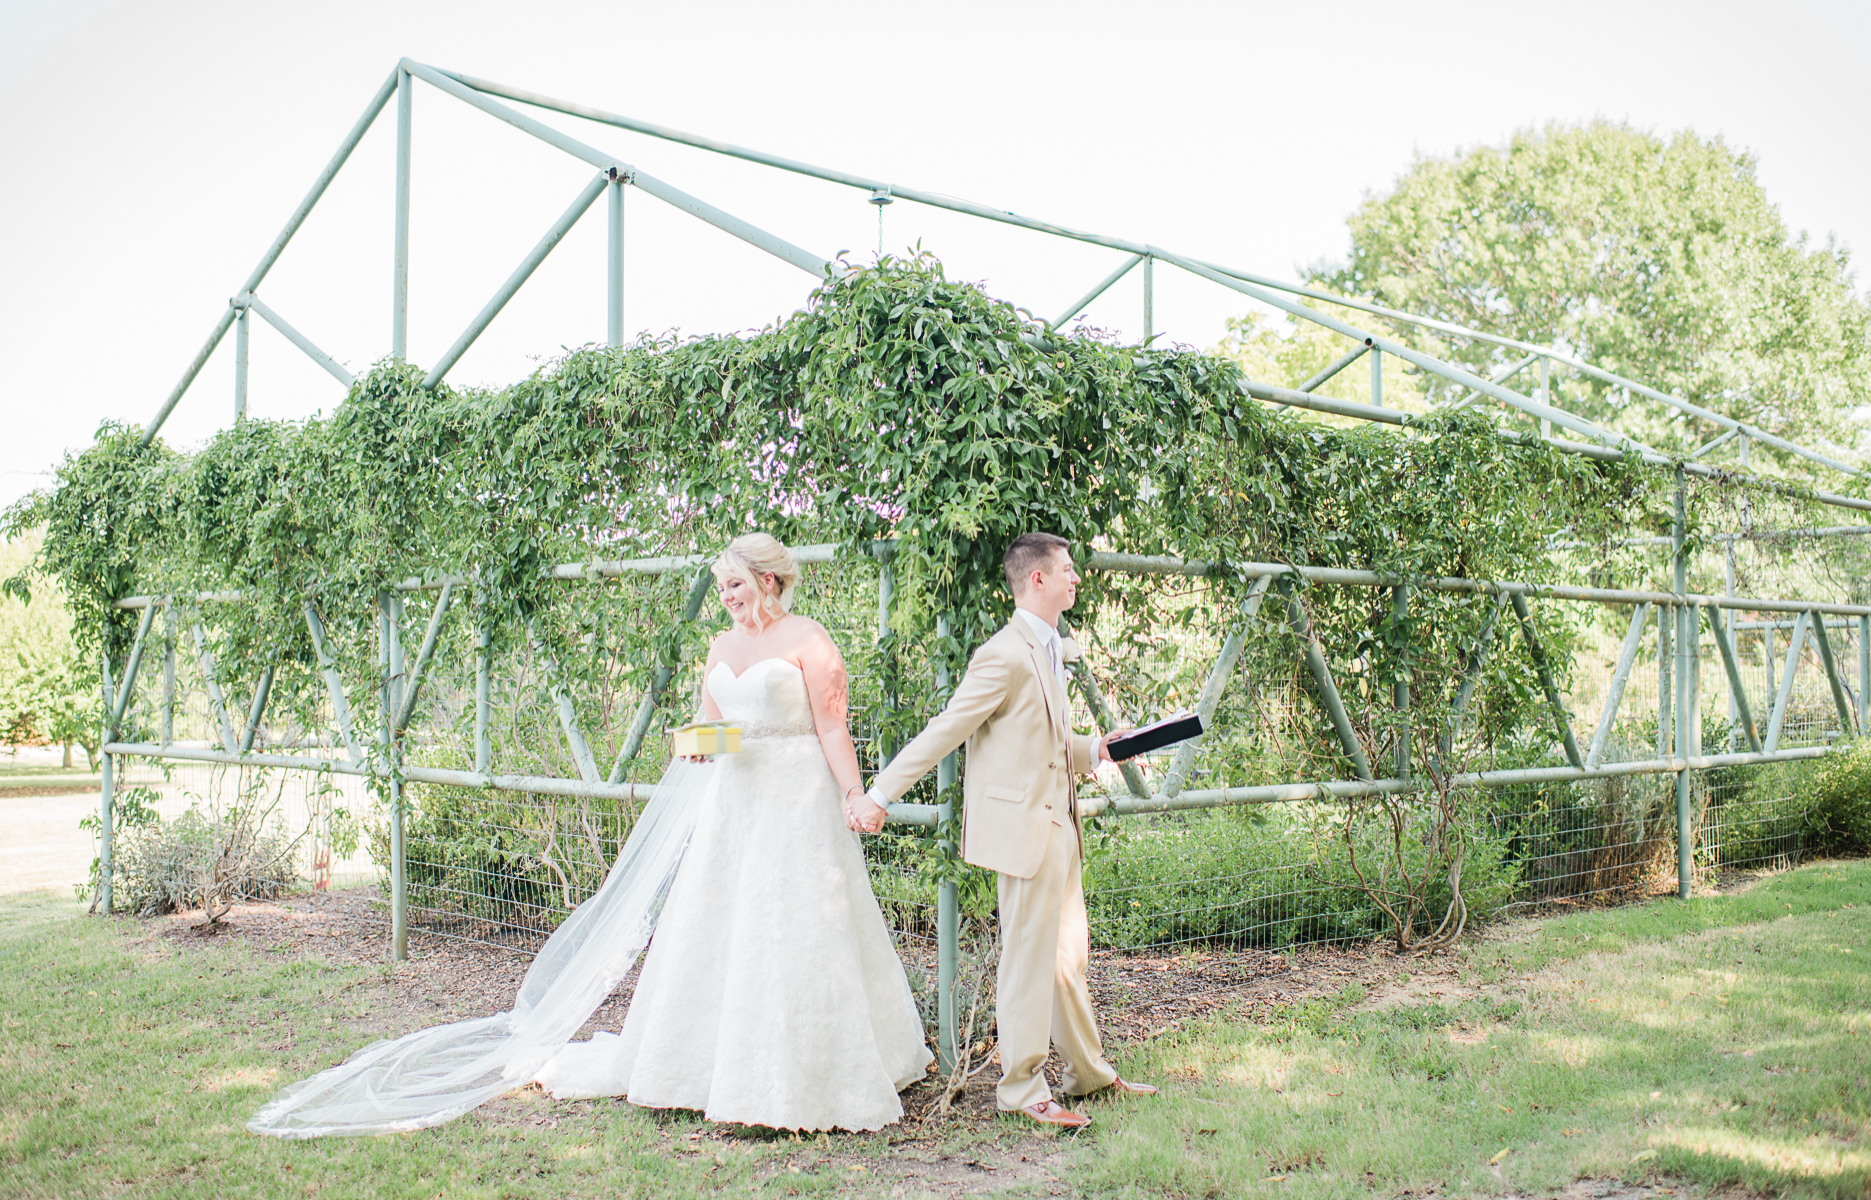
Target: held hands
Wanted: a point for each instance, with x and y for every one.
(862, 814)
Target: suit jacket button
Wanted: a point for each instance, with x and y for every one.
(1052, 766)
(1049, 808)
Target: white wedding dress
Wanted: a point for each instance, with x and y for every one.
(771, 994)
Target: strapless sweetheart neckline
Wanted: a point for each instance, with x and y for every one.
(720, 666)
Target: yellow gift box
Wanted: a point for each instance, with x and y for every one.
(704, 738)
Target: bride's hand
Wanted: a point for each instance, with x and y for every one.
(863, 815)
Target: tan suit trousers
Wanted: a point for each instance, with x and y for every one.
(1042, 1000)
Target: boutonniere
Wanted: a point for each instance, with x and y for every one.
(1069, 650)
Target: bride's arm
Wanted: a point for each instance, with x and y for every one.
(830, 693)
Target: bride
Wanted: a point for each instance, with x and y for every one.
(771, 994)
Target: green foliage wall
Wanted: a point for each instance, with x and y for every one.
(898, 404)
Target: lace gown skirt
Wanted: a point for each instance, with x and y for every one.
(771, 994)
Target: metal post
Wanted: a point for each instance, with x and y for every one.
(948, 900)
(1685, 723)
(1562, 720)
(106, 781)
(1149, 297)
(1400, 690)
(614, 268)
(399, 303)
(1767, 658)
(886, 596)
(483, 689)
(240, 365)
(1728, 627)
(1546, 395)
(1377, 378)
(168, 674)
(1666, 677)
(1864, 672)
(390, 658)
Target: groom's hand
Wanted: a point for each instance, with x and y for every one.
(864, 815)
(1104, 743)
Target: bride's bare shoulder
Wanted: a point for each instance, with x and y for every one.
(810, 637)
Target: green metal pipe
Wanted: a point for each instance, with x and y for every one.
(568, 712)
(1149, 297)
(121, 701)
(1737, 693)
(483, 687)
(521, 274)
(614, 267)
(1477, 658)
(1377, 378)
(948, 898)
(413, 688)
(816, 265)
(249, 300)
(646, 710)
(399, 277)
(1085, 300)
(1864, 672)
(258, 711)
(1216, 684)
(106, 797)
(334, 683)
(1554, 701)
(1796, 641)
(1335, 367)
(1666, 679)
(1314, 655)
(1620, 678)
(217, 702)
(274, 251)
(240, 366)
(1839, 699)
(1685, 636)
(390, 657)
(168, 675)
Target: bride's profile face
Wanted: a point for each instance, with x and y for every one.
(744, 603)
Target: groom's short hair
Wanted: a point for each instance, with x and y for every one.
(1030, 552)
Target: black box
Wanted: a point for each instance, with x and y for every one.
(1166, 732)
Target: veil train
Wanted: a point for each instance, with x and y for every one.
(434, 1075)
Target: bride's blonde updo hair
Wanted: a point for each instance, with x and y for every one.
(753, 555)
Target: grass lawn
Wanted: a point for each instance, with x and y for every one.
(1720, 1042)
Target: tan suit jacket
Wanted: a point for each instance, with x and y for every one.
(1013, 713)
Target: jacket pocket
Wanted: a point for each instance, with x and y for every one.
(1012, 795)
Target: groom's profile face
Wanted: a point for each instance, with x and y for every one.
(1058, 580)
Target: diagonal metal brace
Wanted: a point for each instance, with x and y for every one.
(1614, 695)
(1733, 670)
(414, 683)
(1796, 643)
(121, 701)
(1826, 656)
(568, 712)
(646, 711)
(334, 683)
(1217, 683)
(1322, 679)
(1538, 654)
(216, 700)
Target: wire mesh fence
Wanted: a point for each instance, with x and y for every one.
(503, 867)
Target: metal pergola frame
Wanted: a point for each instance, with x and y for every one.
(1678, 611)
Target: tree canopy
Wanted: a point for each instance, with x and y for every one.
(1659, 259)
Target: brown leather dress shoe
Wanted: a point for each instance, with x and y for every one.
(1051, 1112)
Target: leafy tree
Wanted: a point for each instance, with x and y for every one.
(45, 693)
(1661, 260)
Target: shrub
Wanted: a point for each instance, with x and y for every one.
(202, 861)
(1833, 798)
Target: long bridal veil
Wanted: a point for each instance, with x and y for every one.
(434, 1075)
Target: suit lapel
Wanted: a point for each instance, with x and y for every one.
(1050, 691)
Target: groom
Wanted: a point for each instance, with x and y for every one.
(1020, 818)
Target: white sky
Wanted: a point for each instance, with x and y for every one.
(152, 151)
